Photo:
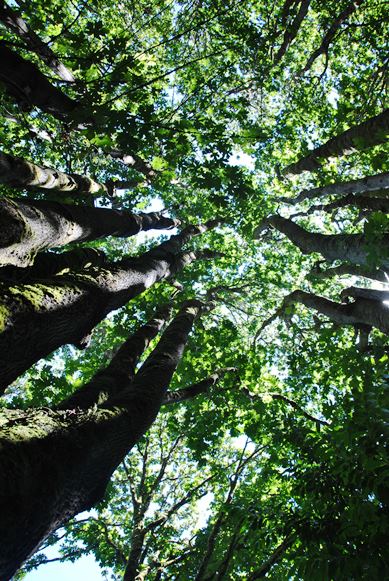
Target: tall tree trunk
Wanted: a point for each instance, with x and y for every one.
(331, 33)
(14, 21)
(29, 226)
(20, 173)
(372, 132)
(354, 248)
(36, 319)
(56, 464)
(292, 29)
(379, 274)
(362, 202)
(360, 186)
(25, 83)
(120, 370)
(48, 264)
(365, 310)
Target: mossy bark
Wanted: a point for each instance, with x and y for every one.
(55, 464)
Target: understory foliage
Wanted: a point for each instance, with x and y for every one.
(202, 110)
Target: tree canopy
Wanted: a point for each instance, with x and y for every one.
(213, 173)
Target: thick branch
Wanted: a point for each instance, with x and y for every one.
(372, 132)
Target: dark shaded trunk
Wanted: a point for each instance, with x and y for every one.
(331, 33)
(36, 319)
(29, 226)
(360, 186)
(274, 558)
(29, 87)
(353, 248)
(56, 464)
(109, 381)
(292, 29)
(48, 264)
(380, 274)
(372, 132)
(14, 21)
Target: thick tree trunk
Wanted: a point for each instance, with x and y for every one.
(331, 33)
(25, 83)
(379, 274)
(369, 312)
(55, 464)
(29, 226)
(48, 264)
(19, 26)
(372, 132)
(353, 248)
(362, 202)
(22, 174)
(120, 370)
(36, 319)
(360, 186)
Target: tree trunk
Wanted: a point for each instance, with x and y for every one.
(25, 83)
(48, 264)
(29, 226)
(56, 464)
(354, 248)
(360, 186)
(372, 132)
(331, 33)
(379, 274)
(364, 311)
(120, 370)
(362, 202)
(20, 173)
(19, 26)
(36, 319)
(292, 29)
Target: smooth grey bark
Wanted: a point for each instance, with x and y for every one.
(14, 21)
(292, 29)
(28, 85)
(359, 186)
(56, 464)
(23, 174)
(353, 248)
(37, 318)
(30, 226)
(331, 33)
(372, 132)
(364, 311)
(379, 274)
(361, 202)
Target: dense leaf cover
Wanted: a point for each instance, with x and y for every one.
(282, 467)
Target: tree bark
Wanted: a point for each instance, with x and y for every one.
(30, 226)
(369, 312)
(120, 370)
(14, 21)
(331, 33)
(48, 264)
(56, 464)
(353, 248)
(292, 30)
(20, 173)
(372, 132)
(25, 83)
(379, 274)
(362, 202)
(36, 319)
(360, 186)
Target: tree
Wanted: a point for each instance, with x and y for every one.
(183, 113)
